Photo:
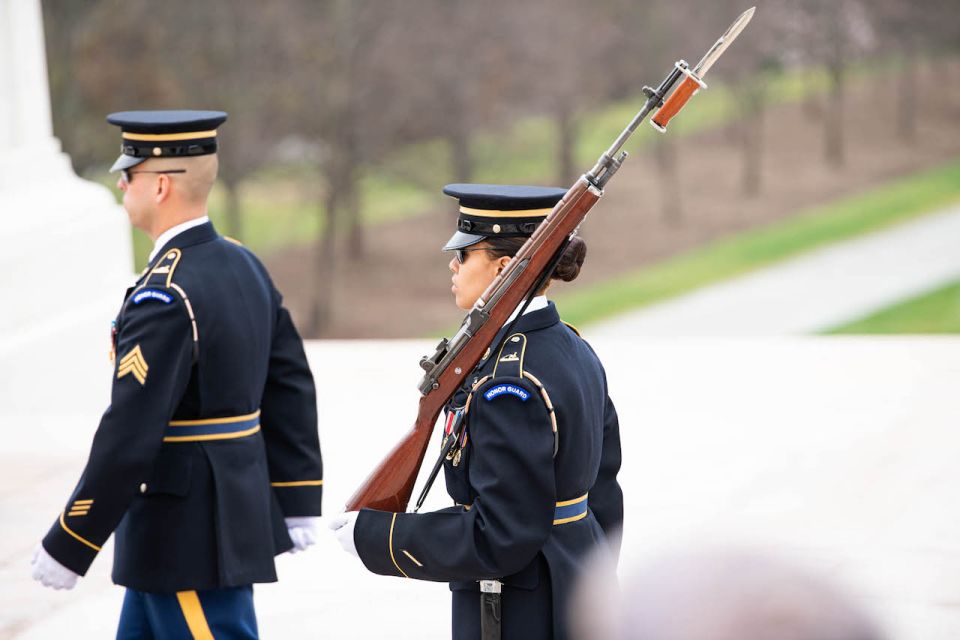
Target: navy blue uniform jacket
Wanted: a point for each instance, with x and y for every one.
(533, 494)
(211, 436)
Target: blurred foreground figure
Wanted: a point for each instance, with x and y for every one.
(535, 448)
(207, 462)
(718, 595)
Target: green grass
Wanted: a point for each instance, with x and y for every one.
(937, 311)
(878, 208)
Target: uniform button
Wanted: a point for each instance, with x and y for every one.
(143, 487)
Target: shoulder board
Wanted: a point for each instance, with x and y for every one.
(510, 359)
(162, 273)
(233, 240)
(572, 328)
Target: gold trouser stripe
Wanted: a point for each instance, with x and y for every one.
(193, 614)
(80, 538)
(298, 483)
(571, 519)
(393, 557)
(574, 501)
(193, 423)
(213, 436)
(169, 137)
(520, 213)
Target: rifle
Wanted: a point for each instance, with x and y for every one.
(390, 485)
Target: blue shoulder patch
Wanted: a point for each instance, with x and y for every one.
(510, 389)
(152, 294)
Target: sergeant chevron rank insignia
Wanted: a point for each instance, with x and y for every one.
(133, 363)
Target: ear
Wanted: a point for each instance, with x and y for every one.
(163, 188)
(503, 262)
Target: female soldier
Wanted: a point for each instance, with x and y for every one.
(534, 464)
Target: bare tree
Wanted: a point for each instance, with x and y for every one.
(909, 27)
(191, 57)
(830, 33)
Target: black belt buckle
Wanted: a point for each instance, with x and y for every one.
(490, 609)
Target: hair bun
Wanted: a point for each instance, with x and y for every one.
(572, 259)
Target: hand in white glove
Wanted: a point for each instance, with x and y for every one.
(342, 527)
(303, 532)
(49, 572)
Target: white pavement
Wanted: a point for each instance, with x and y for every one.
(819, 290)
(837, 452)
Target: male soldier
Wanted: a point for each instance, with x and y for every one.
(207, 462)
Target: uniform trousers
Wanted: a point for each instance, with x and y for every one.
(216, 613)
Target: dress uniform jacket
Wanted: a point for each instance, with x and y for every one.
(211, 436)
(533, 474)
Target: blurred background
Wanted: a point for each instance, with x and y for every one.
(828, 119)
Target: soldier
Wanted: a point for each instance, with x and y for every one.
(207, 462)
(534, 465)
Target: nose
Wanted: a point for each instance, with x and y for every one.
(454, 264)
(121, 184)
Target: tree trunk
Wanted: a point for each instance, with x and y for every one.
(458, 137)
(907, 96)
(834, 148)
(566, 139)
(665, 157)
(232, 208)
(812, 101)
(321, 314)
(351, 204)
(753, 99)
(459, 142)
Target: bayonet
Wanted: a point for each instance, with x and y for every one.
(694, 77)
(721, 45)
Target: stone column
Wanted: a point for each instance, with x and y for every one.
(65, 248)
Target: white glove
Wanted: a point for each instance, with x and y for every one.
(50, 572)
(303, 532)
(342, 527)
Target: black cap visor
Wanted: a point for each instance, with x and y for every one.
(461, 240)
(125, 162)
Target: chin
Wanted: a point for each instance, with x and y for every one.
(462, 304)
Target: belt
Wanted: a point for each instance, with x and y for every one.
(212, 428)
(570, 510)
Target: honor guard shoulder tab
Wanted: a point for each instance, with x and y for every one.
(162, 273)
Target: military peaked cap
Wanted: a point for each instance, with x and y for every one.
(165, 134)
(499, 210)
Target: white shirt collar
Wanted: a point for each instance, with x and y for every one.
(172, 232)
(539, 302)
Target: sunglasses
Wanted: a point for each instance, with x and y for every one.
(462, 253)
(125, 174)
